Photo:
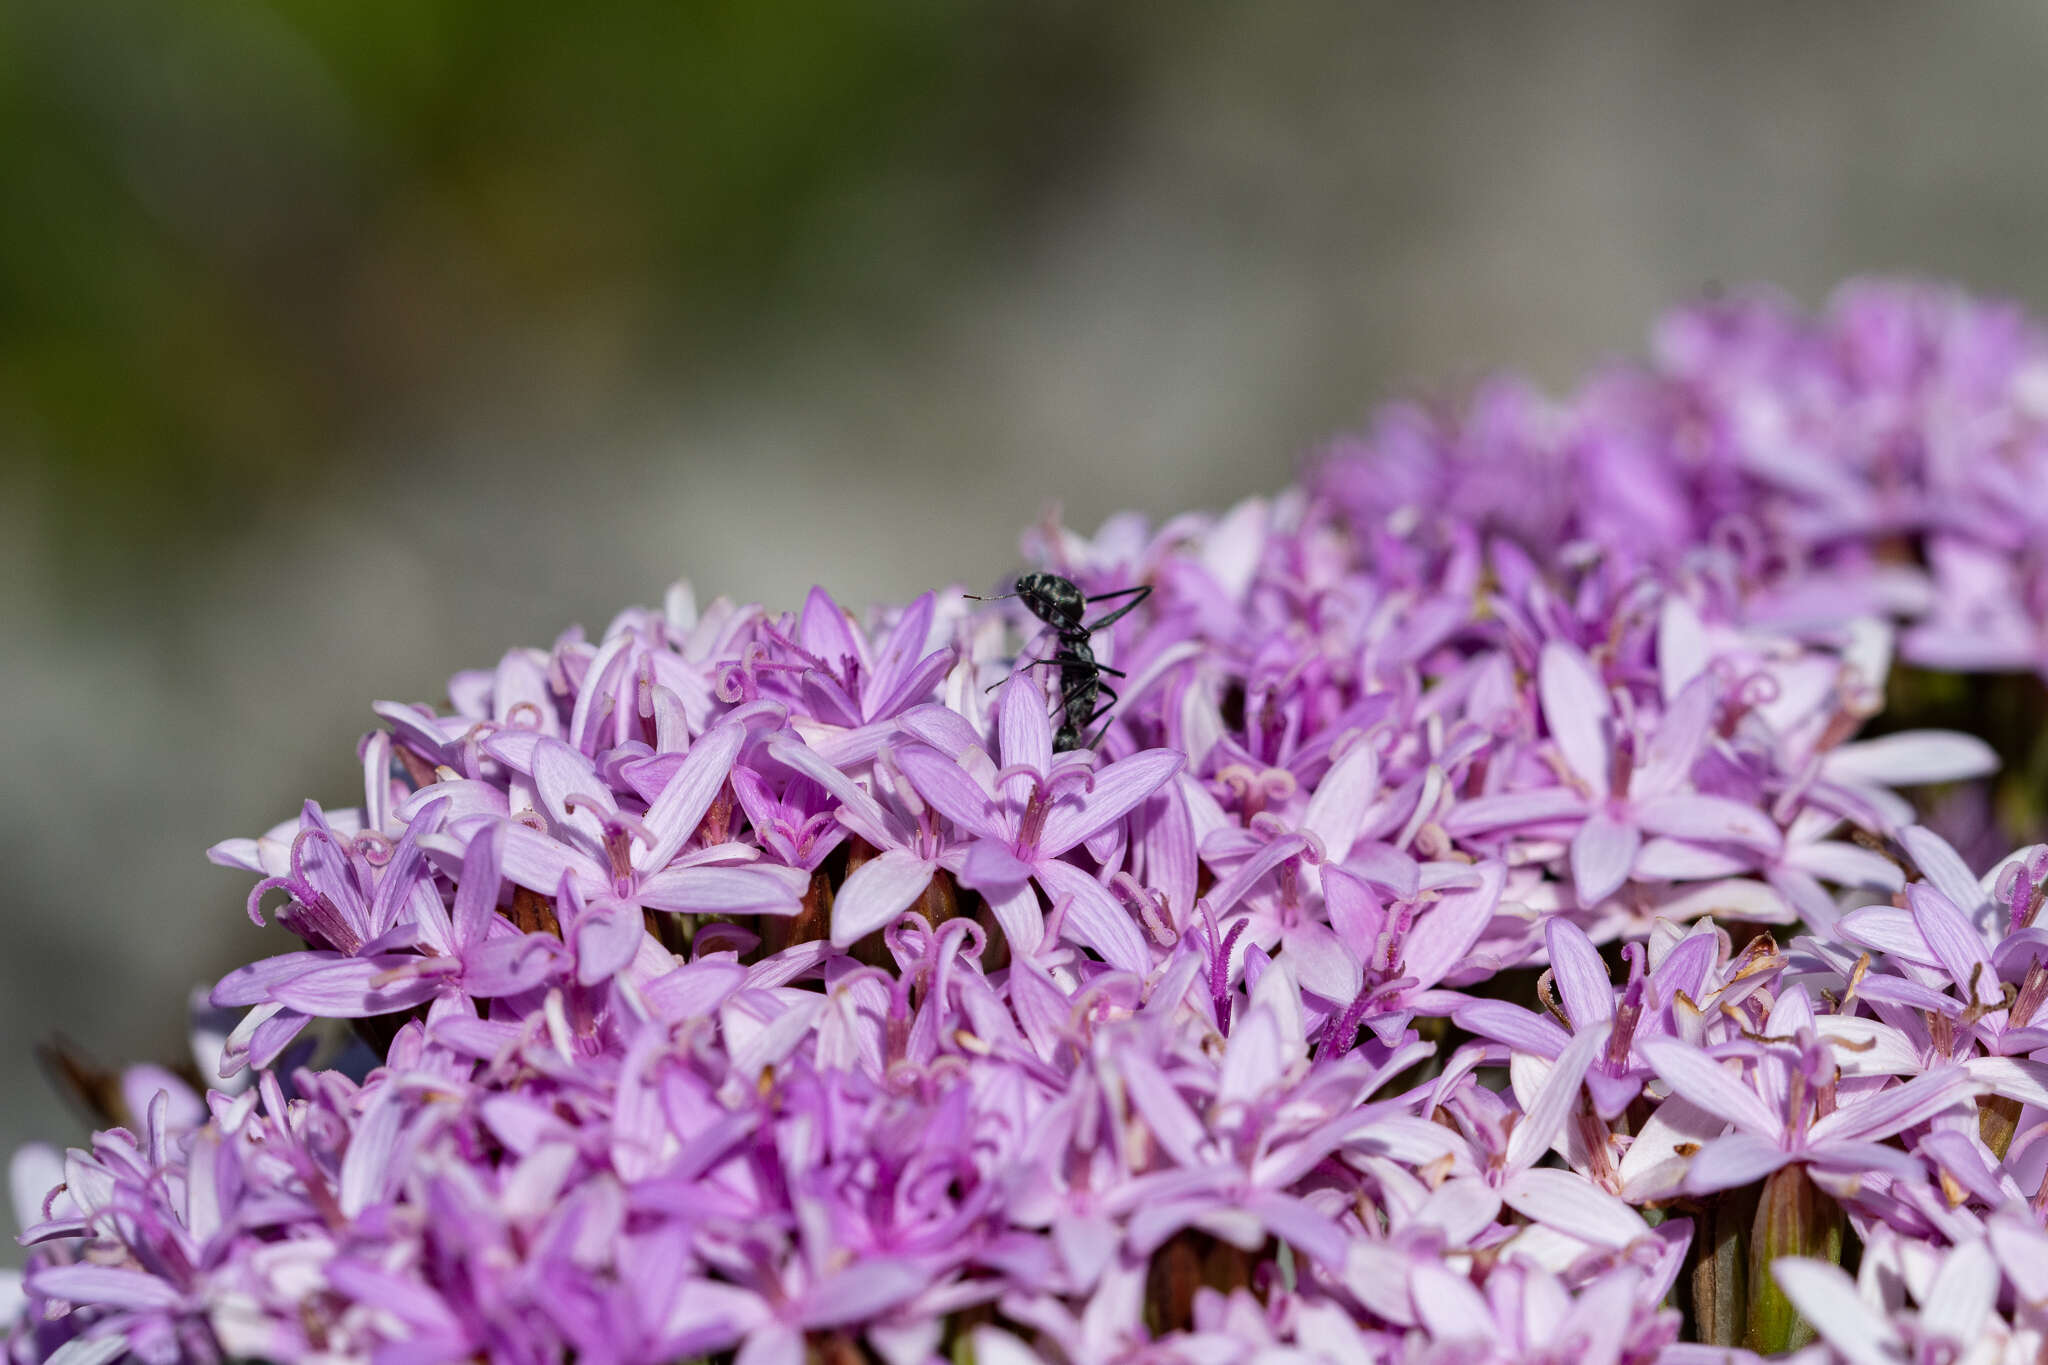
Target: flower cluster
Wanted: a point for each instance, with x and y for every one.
(1477, 931)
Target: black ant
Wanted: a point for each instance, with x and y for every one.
(1060, 603)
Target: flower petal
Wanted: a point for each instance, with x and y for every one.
(1732, 1161)
(1710, 819)
(1503, 810)
(1911, 758)
(1602, 852)
(359, 987)
(1888, 930)
(1675, 746)
(1572, 1204)
(1095, 918)
(1024, 727)
(1890, 1111)
(1576, 709)
(538, 863)
(1705, 1082)
(1940, 864)
(1118, 789)
(108, 1285)
(1523, 1030)
(1445, 934)
(1964, 1291)
(676, 813)
(607, 939)
(1580, 974)
(876, 893)
(1538, 1128)
(1955, 943)
(951, 792)
(1827, 1298)
(1336, 812)
(866, 1289)
(763, 890)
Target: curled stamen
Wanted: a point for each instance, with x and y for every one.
(264, 888)
(1087, 999)
(781, 637)
(1157, 923)
(854, 975)
(1057, 920)
(375, 847)
(736, 683)
(1757, 689)
(1029, 773)
(471, 747)
(525, 715)
(1267, 823)
(1279, 784)
(1070, 774)
(1546, 992)
(972, 939)
(298, 853)
(633, 825)
(1240, 780)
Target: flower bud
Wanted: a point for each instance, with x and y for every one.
(1793, 1218)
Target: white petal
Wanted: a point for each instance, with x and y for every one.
(1910, 758)
(1827, 1298)
(1575, 707)
(876, 893)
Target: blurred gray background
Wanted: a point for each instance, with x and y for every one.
(343, 346)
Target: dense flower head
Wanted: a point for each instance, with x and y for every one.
(1478, 909)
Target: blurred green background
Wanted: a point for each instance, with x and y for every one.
(343, 345)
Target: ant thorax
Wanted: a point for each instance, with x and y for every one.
(1052, 599)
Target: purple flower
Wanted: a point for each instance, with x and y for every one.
(1788, 1106)
(1023, 815)
(1618, 793)
(1645, 1009)
(622, 864)
(1524, 682)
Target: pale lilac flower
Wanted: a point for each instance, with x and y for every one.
(1787, 1105)
(1954, 1318)
(1026, 813)
(621, 863)
(1621, 787)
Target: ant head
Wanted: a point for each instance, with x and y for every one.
(1052, 599)
(1066, 739)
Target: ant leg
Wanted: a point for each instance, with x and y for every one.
(1100, 712)
(1137, 595)
(1101, 692)
(1020, 668)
